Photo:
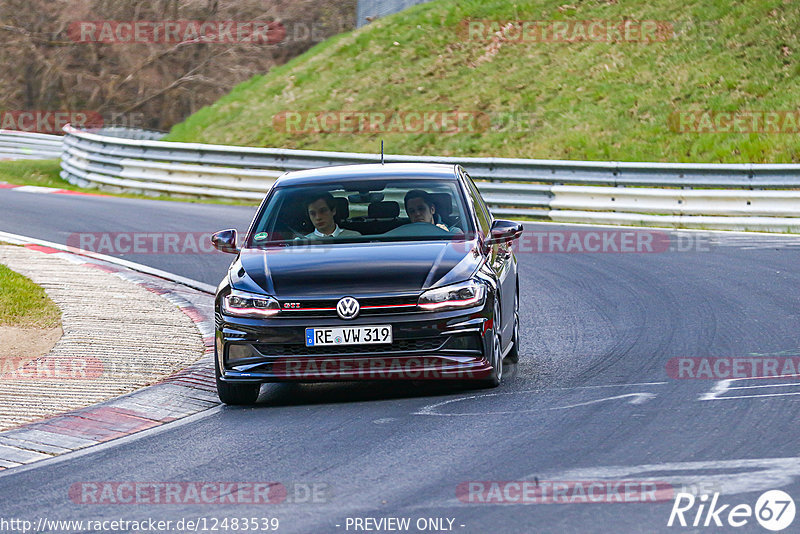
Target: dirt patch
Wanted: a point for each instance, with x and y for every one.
(19, 345)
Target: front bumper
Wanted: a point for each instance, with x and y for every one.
(447, 345)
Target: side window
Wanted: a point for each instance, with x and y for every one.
(484, 219)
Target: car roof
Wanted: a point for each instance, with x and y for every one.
(368, 171)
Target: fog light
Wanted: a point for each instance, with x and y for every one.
(241, 352)
(464, 342)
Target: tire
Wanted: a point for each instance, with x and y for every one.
(235, 394)
(496, 376)
(513, 354)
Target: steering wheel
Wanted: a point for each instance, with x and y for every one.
(420, 229)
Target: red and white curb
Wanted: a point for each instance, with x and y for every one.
(46, 190)
(187, 392)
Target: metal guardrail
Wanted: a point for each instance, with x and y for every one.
(763, 197)
(126, 132)
(16, 144)
(368, 10)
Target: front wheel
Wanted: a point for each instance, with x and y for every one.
(513, 354)
(235, 394)
(496, 354)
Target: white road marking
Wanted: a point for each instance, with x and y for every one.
(723, 386)
(755, 396)
(614, 385)
(34, 189)
(756, 475)
(766, 386)
(636, 398)
(718, 389)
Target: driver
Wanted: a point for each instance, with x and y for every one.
(321, 209)
(421, 208)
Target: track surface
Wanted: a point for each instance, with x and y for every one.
(591, 392)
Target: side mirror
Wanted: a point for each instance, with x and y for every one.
(503, 231)
(225, 241)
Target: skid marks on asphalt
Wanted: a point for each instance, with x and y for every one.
(520, 400)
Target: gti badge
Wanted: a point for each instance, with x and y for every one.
(348, 308)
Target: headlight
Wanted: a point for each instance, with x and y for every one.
(242, 304)
(461, 295)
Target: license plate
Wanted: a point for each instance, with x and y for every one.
(348, 335)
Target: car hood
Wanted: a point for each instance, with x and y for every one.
(354, 269)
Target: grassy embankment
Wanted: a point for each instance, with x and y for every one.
(586, 100)
(559, 100)
(25, 304)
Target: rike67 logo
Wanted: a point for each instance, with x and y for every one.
(774, 510)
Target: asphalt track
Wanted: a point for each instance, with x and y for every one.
(591, 399)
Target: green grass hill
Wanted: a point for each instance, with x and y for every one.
(563, 98)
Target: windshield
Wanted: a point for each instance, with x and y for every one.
(362, 211)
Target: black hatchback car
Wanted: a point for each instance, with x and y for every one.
(393, 271)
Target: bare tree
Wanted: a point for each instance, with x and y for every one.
(47, 68)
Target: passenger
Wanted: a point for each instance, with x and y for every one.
(321, 210)
(421, 208)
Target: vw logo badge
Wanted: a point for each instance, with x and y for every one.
(348, 308)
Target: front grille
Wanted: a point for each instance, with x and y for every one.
(412, 345)
(369, 307)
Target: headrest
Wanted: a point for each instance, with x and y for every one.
(444, 203)
(383, 210)
(342, 208)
